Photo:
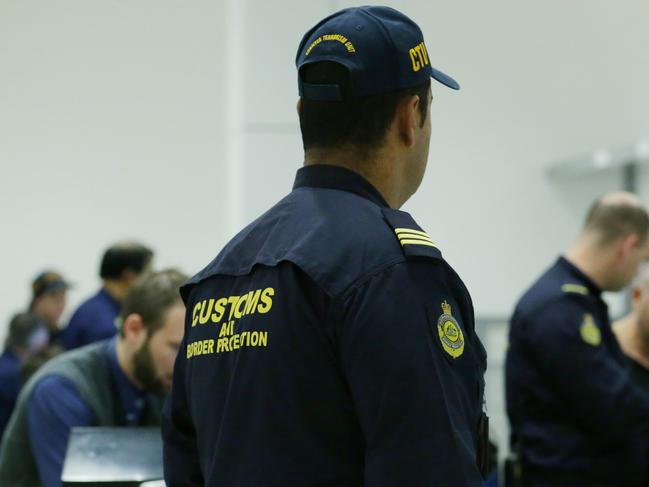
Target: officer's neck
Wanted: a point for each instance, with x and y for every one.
(116, 289)
(378, 168)
(592, 260)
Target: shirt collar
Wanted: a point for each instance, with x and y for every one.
(578, 274)
(336, 177)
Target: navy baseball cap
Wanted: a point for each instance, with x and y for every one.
(381, 48)
(48, 282)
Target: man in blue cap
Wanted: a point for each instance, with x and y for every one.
(329, 343)
(49, 297)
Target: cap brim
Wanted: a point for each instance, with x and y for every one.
(57, 286)
(445, 79)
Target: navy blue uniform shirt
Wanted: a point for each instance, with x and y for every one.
(328, 344)
(93, 321)
(572, 407)
(9, 386)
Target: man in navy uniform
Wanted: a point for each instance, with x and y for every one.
(94, 320)
(577, 419)
(329, 343)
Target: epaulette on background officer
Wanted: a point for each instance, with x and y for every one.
(329, 343)
(576, 417)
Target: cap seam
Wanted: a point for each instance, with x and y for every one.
(389, 36)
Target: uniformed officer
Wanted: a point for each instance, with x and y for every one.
(329, 343)
(577, 419)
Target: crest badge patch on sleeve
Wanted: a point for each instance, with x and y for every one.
(589, 331)
(450, 333)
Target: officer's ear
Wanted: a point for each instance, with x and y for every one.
(298, 107)
(407, 119)
(134, 330)
(629, 244)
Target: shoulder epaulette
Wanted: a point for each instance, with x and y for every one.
(575, 289)
(413, 240)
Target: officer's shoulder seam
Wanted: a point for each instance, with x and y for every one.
(413, 240)
(575, 299)
(361, 280)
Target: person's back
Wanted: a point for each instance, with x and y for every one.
(269, 343)
(94, 319)
(329, 343)
(575, 415)
(28, 335)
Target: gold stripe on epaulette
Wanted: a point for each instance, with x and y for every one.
(417, 242)
(575, 288)
(400, 231)
(408, 236)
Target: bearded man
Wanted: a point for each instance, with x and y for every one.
(117, 382)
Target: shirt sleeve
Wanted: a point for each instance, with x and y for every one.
(406, 393)
(54, 408)
(180, 452)
(567, 345)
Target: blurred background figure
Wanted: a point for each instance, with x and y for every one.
(577, 418)
(94, 319)
(49, 296)
(120, 381)
(632, 331)
(28, 335)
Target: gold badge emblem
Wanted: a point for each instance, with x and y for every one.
(450, 333)
(589, 331)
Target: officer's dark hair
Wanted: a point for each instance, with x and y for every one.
(151, 296)
(21, 328)
(124, 256)
(613, 221)
(354, 122)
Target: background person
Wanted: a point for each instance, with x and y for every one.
(28, 335)
(49, 297)
(116, 382)
(94, 319)
(632, 331)
(576, 417)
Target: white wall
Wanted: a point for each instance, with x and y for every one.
(117, 120)
(111, 126)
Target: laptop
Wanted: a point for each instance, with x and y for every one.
(113, 457)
